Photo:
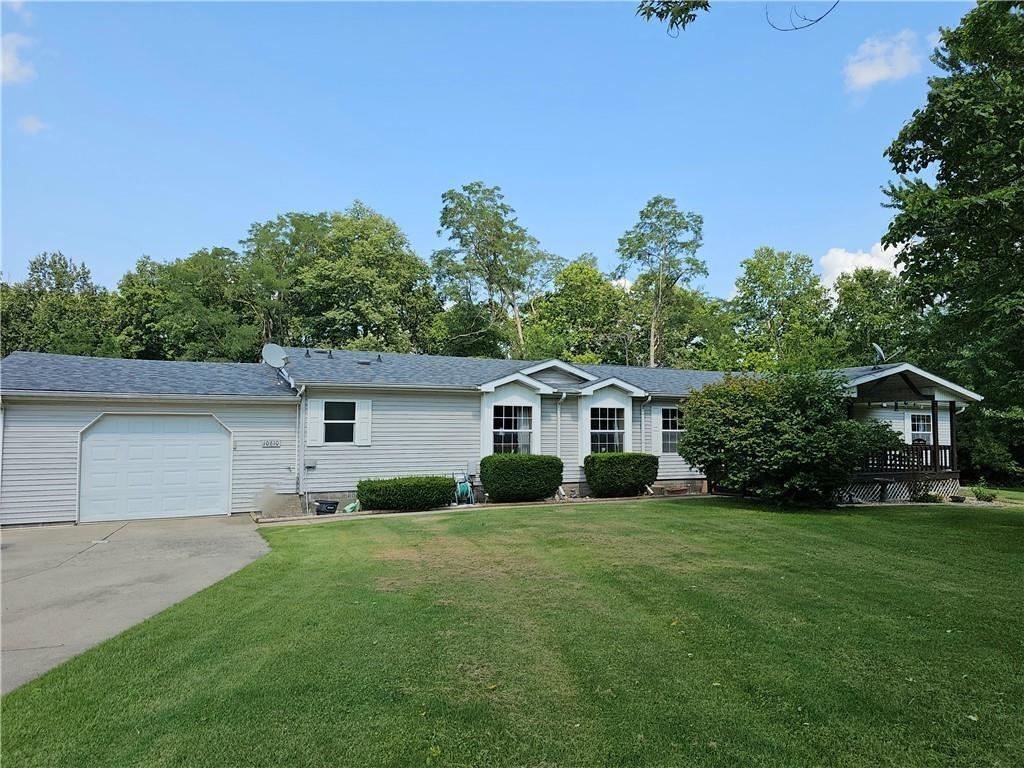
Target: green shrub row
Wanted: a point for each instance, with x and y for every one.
(406, 493)
(620, 474)
(520, 476)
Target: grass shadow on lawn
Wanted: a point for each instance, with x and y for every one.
(684, 632)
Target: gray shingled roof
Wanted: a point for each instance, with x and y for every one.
(347, 367)
(344, 367)
(863, 370)
(41, 372)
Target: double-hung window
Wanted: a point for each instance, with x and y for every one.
(607, 430)
(339, 421)
(921, 429)
(669, 430)
(513, 428)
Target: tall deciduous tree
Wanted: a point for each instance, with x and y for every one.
(579, 318)
(870, 309)
(781, 309)
(363, 287)
(493, 257)
(663, 246)
(57, 308)
(959, 211)
(275, 252)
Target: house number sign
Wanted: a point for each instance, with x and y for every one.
(271, 443)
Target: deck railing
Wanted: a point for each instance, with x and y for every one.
(910, 458)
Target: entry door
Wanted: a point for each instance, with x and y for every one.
(139, 466)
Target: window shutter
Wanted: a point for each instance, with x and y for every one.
(656, 431)
(314, 421)
(364, 414)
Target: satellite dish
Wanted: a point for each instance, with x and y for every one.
(879, 353)
(274, 356)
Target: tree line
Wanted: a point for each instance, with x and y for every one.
(350, 279)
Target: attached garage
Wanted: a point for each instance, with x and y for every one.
(98, 439)
(139, 466)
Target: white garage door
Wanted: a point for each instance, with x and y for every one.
(145, 466)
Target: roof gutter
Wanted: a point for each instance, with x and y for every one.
(157, 397)
(409, 387)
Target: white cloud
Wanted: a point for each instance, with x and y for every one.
(879, 59)
(31, 125)
(624, 283)
(839, 260)
(18, 7)
(15, 69)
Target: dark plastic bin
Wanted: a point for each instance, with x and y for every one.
(326, 507)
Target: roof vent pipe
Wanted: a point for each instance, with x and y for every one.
(379, 358)
(330, 353)
(307, 351)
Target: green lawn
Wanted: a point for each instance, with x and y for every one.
(675, 633)
(1010, 495)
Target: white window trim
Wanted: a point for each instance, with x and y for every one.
(660, 430)
(494, 432)
(604, 397)
(351, 421)
(912, 433)
(592, 431)
(361, 432)
(510, 393)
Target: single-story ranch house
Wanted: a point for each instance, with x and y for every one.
(88, 439)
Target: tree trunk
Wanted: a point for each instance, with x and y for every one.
(652, 356)
(518, 319)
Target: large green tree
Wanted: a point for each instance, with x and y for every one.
(275, 251)
(662, 247)
(700, 332)
(57, 308)
(363, 287)
(782, 313)
(492, 257)
(959, 215)
(196, 308)
(870, 308)
(579, 318)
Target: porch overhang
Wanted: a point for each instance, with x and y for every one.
(907, 383)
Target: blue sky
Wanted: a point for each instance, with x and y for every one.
(159, 128)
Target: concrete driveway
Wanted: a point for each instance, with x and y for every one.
(65, 589)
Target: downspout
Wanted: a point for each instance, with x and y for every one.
(643, 430)
(300, 449)
(558, 425)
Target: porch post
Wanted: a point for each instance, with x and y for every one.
(952, 435)
(935, 435)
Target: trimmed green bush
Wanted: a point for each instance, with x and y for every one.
(620, 474)
(982, 492)
(520, 476)
(406, 493)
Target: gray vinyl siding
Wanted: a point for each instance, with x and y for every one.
(411, 433)
(39, 483)
(557, 378)
(569, 449)
(897, 419)
(670, 465)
